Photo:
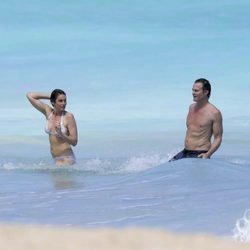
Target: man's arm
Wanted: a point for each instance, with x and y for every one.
(217, 133)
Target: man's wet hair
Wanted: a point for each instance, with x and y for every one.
(205, 85)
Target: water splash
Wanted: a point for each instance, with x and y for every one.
(242, 228)
(97, 165)
(12, 165)
(140, 163)
(132, 164)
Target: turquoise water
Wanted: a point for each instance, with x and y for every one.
(127, 68)
(126, 65)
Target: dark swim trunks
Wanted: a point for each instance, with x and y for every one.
(188, 154)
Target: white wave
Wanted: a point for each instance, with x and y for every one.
(242, 228)
(121, 166)
(12, 165)
(102, 166)
(131, 164)
(140, 163)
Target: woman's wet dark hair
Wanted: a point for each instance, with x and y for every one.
(54, 94)
(206, 85)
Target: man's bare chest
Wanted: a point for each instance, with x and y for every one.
(199, 120)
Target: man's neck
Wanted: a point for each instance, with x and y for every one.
(202, 103)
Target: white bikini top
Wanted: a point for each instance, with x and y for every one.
(63, 129)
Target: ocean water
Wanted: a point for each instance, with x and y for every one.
(127, 68)
(190, 195)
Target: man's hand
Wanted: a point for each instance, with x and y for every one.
(203, 155)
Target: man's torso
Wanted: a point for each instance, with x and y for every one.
(199, 127)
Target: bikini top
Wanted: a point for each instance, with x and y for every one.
(48, 131)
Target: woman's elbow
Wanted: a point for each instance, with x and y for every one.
(74, 142)
(28, 95)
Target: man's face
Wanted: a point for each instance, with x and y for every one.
(198, 93)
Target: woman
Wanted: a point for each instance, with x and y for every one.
(60, 125)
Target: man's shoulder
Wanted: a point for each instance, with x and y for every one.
(192, 105)
(213, 108)
(214, 111)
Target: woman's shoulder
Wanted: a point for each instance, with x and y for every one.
(68, 115)
(69, 118)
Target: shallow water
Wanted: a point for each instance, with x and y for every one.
(191, 195)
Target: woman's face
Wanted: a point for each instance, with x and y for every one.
(60, 103)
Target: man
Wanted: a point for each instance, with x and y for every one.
(204, 120)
